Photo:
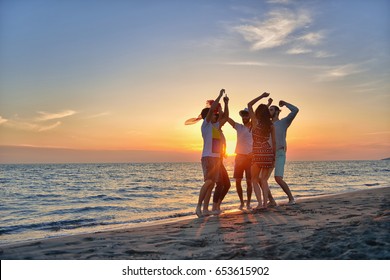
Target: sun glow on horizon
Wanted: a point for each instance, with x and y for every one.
(132, 73)
(230, 148)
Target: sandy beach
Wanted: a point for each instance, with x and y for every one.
(353, 225)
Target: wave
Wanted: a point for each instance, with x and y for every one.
(104, 197)
(72, 224)
(86, 209)
(49, 226)
(372, 185)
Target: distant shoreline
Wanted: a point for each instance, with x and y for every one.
(178, 162)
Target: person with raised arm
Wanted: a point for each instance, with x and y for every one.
(263, 152)
(243, 159)
(223, 183)
(211, 153)
(281, 126)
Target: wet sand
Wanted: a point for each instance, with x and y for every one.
(353, 225)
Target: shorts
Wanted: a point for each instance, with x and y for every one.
(280, 161)
(210, 167)
(242, 163)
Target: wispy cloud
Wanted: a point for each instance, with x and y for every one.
(284, 27)
(30, 126)
(38, 124)
(339, 72)
(323, 54)
(312, 38)
(299, 50)
(378, 133)
(279, 1)
(321, 73)
(276, 30)
(247, 63)
(44, 116)
(279, 65)
(48, 127)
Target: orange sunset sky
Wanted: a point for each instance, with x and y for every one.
(114, 81)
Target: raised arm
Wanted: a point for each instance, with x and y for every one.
(250, 107)
(294, 110)
(270, 100)
(225, 116)
(214, 106)
(231, 122)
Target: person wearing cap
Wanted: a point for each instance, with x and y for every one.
(243, 160)
(211, 153)
(281, 126)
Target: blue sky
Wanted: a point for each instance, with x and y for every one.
(113, 74)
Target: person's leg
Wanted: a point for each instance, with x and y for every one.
(248, 176)
(208, 185)
(206, 201)
(217, 197)
(264, 175)
(280, 162)
(222, 188)
(255, 170)
(210, 167)
(214, 167)
(249, 191)
(225, 182)
(271, 199)
(239, 192)
(238, 174)
(285, 188)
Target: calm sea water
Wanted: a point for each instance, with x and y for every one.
(48, 200)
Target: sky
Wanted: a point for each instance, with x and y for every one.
(100, 80)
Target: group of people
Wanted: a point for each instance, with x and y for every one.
(261, 147)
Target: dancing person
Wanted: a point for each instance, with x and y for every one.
(263, 152)
(223, 183)
(243, 159)
(211, 153)
(281, 126)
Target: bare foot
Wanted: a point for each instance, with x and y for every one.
(198, 212)
(259, 208)
(272, 204)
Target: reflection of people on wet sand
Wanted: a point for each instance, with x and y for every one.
(211, 154)
(263, 152)
(243, 160)
(281, 126)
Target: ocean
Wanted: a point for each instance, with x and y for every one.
(50, 200)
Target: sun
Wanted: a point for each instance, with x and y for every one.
(230, 148)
